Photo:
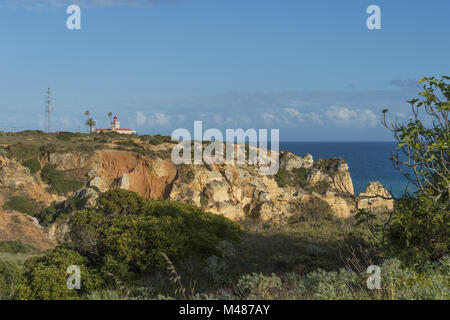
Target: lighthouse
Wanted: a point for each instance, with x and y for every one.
(115, 127)
(115, 124)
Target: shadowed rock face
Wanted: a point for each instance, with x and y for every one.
(235, 191)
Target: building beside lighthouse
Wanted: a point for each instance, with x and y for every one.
(115, 127)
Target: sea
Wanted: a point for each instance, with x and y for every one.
(367, 161)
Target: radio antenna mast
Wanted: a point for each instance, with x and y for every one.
(49, 107)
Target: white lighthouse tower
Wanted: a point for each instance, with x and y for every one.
(115, 124)
(115, 127)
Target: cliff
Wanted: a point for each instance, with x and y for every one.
(302, 186)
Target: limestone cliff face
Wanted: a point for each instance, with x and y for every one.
(376, 198)
(235, 191)
(149, 178)
(17, 179)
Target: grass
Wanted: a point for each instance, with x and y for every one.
(58, 181)
(16, 258)
(299, 247)
(15, 247)
(32, 164)
(22, 204)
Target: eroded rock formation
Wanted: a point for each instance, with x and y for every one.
(303, 186)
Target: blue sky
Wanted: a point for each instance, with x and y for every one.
(310, 68)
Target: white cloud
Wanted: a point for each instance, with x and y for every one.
(297, 116)
(269, 118)
(140, 119)
(159, 119)
(346, 117)
(292, 112)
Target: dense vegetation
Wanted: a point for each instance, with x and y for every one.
(32, 164)
(58, 181)
(122, 239)
(22, 204)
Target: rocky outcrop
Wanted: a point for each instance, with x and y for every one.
(68, 161)
(58, 231)
(376, 198)
(149, 178)
(289, 161)
(17, 179)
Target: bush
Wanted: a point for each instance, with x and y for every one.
(32, 164)
(422, 154)
(10, 277)
(259, 287)
(67, 136)
(315, 209)
(22, 204)
(57, 181)
(46, 277)
(158, 139)
(419, 231)
(329, 166)
(15, 247)
(396, 283)
(297, 177)
(60, 210)
(23, 151)
(128, 232)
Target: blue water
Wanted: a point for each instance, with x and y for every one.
(367, 161)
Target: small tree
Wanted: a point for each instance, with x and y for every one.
(418, 229)
(423, 143)
(91, 124)
(110, 114)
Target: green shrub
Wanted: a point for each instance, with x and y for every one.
(107, 294)
(22, 151)
(32, 164)
(419, 231)
(315, 209)
(49, 148)
(10, 277)
(217, 267)
(57, 181)
(128, 143)
(128, 232)
(282, 178)
(329, 166)
(67, 136)
(46, 277)
(22, 204)
(15, 247)
(158, 139)
(203, 199)
(297, 177)
(259, 287)
(60, 210)
(396, 283)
